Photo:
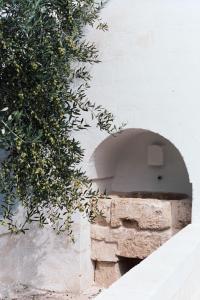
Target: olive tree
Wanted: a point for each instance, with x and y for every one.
(44, 77)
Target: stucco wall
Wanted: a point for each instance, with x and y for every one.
(43, 260)
(149, 74)
(134, 174)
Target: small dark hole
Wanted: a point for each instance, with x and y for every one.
(130, 223)
(160, 177)
(127, 263)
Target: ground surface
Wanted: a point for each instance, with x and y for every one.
(25, 293)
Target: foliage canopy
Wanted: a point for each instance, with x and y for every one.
(44, 77)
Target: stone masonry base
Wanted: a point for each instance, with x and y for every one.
(133, 228)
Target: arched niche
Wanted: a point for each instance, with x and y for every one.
(134, 165)
(139, 160)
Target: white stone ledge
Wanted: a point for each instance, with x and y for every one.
(171, 273)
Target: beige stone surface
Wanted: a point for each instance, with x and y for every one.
(106, 233)
(23, 292)
(99, 232)
(116, 234)
(181, 213)
(147, 213)
(134, 228)
(104, 206)
(106, 273)
(141, 244)
(102, 251)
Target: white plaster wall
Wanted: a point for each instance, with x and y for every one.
(121, 164)
(134, 174)
(44, 260)
(41, 259)
(149, 77)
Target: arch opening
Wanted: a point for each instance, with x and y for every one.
(139, 160)
(149, 200)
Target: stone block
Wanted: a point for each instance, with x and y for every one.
(99, 232)
(181, 213)
(145, 213)
(102, 251)
(142, 243)
(107, 234)
(106, 273)
(104, 206)
(135, 227)
(115, 234)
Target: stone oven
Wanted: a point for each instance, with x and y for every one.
(133, 226)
